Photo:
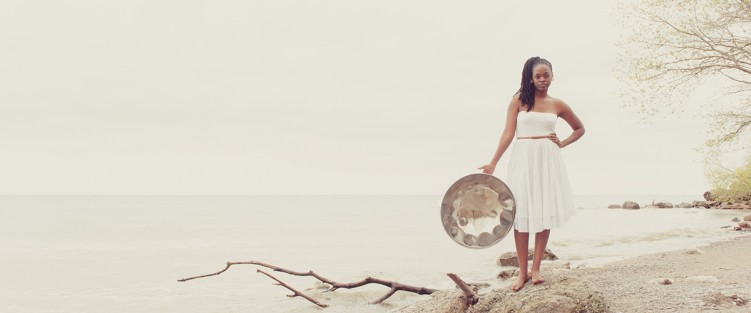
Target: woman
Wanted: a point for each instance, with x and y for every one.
(536, 176)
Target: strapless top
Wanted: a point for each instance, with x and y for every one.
(535, 123)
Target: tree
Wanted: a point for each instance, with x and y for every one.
(730, 184)
(673, 47)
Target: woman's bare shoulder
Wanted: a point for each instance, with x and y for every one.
(559, 105)
(515, 103)
(562, 108)
(517, 97)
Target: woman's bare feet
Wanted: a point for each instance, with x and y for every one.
(519, 283)
(536, 277)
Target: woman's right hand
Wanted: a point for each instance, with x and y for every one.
(487, 168)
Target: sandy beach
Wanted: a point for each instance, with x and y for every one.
(716, 277)
(711, 278)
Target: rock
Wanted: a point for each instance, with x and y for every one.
(685, 205)
(694, 251)
(708, 196)
(561, 292)
(506, 274)
(661, 281)
(744, 224)
(743, 206)
(631, 205)
(510, 259)
(614, 206)
(718, 299)
(700, 204)
(547, 255)
(726, 206)
(477, 286)
(664, 205)
(735, 219)
(747, 218)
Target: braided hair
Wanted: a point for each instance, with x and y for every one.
(527, 90)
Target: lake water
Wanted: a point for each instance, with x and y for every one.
(125, 253)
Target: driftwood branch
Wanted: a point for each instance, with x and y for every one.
(217, 273)
(296, 293)
(394, 286)
(469, 294)
(386, 296)
(391, 284)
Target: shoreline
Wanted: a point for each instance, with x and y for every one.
(731, 228)
(716, 276)
(710, 276)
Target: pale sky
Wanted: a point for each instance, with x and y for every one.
(311, 97)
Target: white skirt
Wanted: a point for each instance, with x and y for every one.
(537, 177)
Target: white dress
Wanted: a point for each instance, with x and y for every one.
(537, 176)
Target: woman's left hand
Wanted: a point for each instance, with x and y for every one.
(554, 138)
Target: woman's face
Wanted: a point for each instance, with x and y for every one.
(542, 76)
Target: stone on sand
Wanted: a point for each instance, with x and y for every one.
(510, 259)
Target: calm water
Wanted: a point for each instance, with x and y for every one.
(125, 253)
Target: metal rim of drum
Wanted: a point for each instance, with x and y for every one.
(467, 182)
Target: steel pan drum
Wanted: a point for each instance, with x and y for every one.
(478, 211)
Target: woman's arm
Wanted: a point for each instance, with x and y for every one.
(506, 137)
(568, 115)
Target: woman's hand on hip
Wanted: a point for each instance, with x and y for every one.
(487, 168)
(554, 138)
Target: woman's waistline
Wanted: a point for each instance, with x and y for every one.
(533, 137)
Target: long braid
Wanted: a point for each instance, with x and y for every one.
(527, 89)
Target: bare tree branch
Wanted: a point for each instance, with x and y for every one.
(673, 47)
(736, 124)
(296, 293)
(735, 79)
(394, 286)
(217, 273)
(469, 294)
(386, 296)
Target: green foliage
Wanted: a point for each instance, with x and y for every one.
(730, 184)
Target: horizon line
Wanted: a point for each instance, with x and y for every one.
(303, 194)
